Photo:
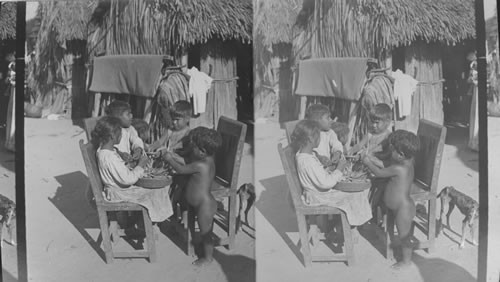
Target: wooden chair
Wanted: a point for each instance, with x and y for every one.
(109, 229)
(424, 189)
(225, 185)
(89, 125)
(289, 127)
(302, 211)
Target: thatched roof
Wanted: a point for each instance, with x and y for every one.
(404, 21)
(369, 24)
(147, 26)
(8, 17)
(275, 19)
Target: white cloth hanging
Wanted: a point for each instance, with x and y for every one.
(404, 87)
(199, 84)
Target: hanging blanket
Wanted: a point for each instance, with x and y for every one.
(127, 74)
(332, 77)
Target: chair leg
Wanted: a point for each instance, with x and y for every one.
(232, 210)
(148, 226)
(106, 236)
(389, 235)
(305, 249)
(113, 228)
(349, 244)
(431, 225)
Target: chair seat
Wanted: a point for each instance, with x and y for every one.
(219, 191)
(311, 210)
(421, 192)
(120, 206)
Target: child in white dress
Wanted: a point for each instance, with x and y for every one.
(319, 183)
(130, 147)
(119, 180)
(330, 150)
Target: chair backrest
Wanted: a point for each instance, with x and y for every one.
(287, 156)
(428, 161)
(89, 158)
(289, 128)
(89, 125)
(228, 156)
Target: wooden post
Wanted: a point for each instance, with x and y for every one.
(303, 104)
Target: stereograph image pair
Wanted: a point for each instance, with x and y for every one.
(283, 140)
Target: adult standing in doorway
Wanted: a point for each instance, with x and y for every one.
(473, 124)
(11, 91)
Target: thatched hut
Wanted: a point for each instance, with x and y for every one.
(7, 46)
(427, 39)
(212, 36)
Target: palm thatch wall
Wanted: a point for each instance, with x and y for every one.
(273, 35)
(8, 12)
(61, 30)
(375, 28)
(130, 27)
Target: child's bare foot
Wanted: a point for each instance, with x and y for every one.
(202, 262)
(401, 265)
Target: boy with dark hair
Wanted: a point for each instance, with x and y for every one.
(404, 146)
(200, 170)
(379, 130)
(171, 140)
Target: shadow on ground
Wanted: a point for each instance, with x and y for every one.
(236, 267)
(7, 277)
(70, 200)
(276, 205)
(440, 270)
(7, 158)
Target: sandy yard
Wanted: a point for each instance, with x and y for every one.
(278, 258)
(493, 270)
(62, 229)
(8, 189)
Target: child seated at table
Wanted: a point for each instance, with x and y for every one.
(200, 169)
(130, 148)
(329, 150)
(119, 180)
(375, 144)
(172, 137)
(378, 131)
(143, 131)
(319, 183)
(342, 131)
(404, 147)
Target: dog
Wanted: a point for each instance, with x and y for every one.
(246, 194)
(8, 214)
(467, 206)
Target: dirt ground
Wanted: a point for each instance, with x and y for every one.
(278, 258)
(62, 229)
(493, 269)
(8, 189)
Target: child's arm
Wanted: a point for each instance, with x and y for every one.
(380, 172)
(160, 141)
(322, 179)
(135, 142)
(122, 174)
(191, 168)
(356, 148)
